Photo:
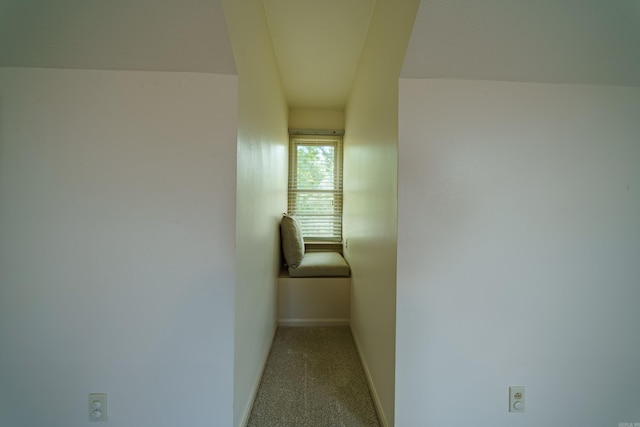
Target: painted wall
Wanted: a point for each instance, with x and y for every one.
(261, 195)
(370, 192)
(518, 253)
(316, 119)
(117, 214)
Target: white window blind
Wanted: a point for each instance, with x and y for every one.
(315, 186)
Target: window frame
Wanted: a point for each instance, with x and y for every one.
(295, 141)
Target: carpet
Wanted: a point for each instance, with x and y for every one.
(313, 378)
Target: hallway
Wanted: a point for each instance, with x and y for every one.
(313, 378)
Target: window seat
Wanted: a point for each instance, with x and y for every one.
(313, 301)
(321, 264)
(314, 288)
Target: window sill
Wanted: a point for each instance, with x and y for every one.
(323, 247)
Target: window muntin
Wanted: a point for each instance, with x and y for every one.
(315, 186)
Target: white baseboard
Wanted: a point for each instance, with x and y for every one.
(313, 322)
(374, 394)
(256, 383)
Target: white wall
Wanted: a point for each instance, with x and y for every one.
(370, 192)
(518, 253)
(261, 195)
(301, 118)
(117, 213)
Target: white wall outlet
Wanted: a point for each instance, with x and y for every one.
(97, 406)
(516, 399)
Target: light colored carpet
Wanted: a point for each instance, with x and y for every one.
(313, 378)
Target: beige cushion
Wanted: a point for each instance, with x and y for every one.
(321, 264)
(292, 242)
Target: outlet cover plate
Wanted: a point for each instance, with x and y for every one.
(516, 399)
(98, 402)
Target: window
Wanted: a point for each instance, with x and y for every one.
(315, 186)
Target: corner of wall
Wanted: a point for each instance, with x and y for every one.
(261, 195)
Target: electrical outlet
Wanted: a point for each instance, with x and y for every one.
(98, 407)
(516, 399)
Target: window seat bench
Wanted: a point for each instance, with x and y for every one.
(321, 264)
(313, 301)
(314, 288)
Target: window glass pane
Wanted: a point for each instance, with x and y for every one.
(315, 167)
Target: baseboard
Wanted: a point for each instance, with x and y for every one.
(256, 384)
(374, 394)
(313, 322)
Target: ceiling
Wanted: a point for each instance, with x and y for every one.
(549, 41)
(150, 35)
(318, 43)
(317, 46)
